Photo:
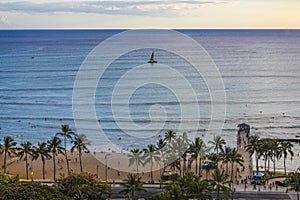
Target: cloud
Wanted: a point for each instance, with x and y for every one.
(4, 21)
(125, 7)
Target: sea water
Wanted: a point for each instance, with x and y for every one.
(260, 70)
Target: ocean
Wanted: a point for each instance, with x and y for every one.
(260, 70)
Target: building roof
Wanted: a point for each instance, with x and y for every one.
(243, 125)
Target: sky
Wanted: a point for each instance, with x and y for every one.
(111, 14)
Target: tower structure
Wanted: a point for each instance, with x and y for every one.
(243, 135)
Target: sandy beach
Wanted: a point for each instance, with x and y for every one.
(117, 170)
(89, 162)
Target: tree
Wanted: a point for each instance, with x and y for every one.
(200, 190)
(219, 182)
(234, 157)
(286, 148)
(67, 134)
(161, 144)
(30, 190)
(198, 150)
(195, 187)
(179, 146)
(266, 150)
(80, 143)
(217, 143)
(136, 157)
(254, 147)
(293, 181)
(8, 149)
(276, 149)
(169, 135)
(24, 151)
(84, 186)
(173, 161)
(132, 185)
(43, 153)
(214, 160)
(226, 157)
(151, 155)
(54, 146)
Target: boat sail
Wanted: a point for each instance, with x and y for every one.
(152, 59)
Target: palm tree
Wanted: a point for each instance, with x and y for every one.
(286, 148)
(25, 150)
(294, 182)
(66, 133)
(169, 135)
(214, 160)
(44, 153)
(226, 157)
(179, 146)
(219, 182)
(266, 150)
(132, 185)
(161, 144)
(151, 154)
(201, 189)
(234, 157)
(173, 161)
(254, 146)
(198, 149)
(217, 143)
(8, 148)
(34, 156)
(80, 143)
(195, 187)
(136, 157)
(276, 149)
(54, 146)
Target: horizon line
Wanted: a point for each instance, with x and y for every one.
(179, 28)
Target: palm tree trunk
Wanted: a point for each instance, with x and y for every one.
(137, 168)
(256, 158)
(274, 166)
(54, 167)
(5, 162)
(26, 162)
(184, 166)
(227, 168)
(200, 166)
(268, 164)
(231, 174)
(265, 163)
(284, 165)
(80, 161)
(66, 155)
(151, 173)
(43, 161)
(197, 165)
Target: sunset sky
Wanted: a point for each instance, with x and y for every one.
(99, 14)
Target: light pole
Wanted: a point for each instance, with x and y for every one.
(106, 166)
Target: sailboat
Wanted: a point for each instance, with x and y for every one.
(152, 59)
